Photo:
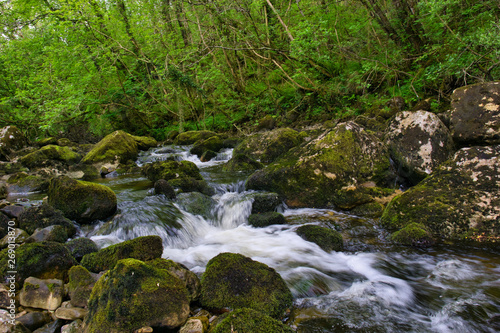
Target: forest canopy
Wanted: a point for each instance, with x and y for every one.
(152, 66)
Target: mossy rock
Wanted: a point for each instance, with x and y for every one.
(372, 210)
(266, 123)
(249, 321)
(133, 295)
(242, 162)
(3, 191)
(80, 285)
(208, 155)
(83, 172)
(266, 219)
(46, 141)
(44, 260)
(190, 137)
(19, 235)
(81, 246)
(53, 233)
(265, 202)
(197, 203)
(46, 156)
(169, 170)
(268, 146)
(141, 248)
(213, 144)
(21, 182)
(162, 186)
(414, 234)
(8, 168)
(235, 281)
(315, 174)
(44, 216)
(117, 147)
(80, 200)
(144, 142)
(328, 239)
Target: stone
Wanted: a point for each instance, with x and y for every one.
(35, 319)
(81, 201)
(39, 217)
(48, 155)
(80, 285)
(52, 327)
(3, 191)
(266, 124)
(74, 327)
(11, 139)
(266, 219)
(197, 203)
(414, 234)
(475, 114)
(19, 235)
(114, 305)
(81, 246)
(213, 144)
(42, 294)
(249, 320)
(265, 202)
(195, 325)
(326, 238)
(162, 186)
(246, 284)
(21, 182)
(190, 137)
(418, 143)
(6, 327)
(141, 248)
(115, 148)
(54, 233)
(71, 313)
(242, 162)
(13, 211)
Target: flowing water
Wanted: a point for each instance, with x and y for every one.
(372, 286)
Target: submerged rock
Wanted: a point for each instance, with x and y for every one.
(134, 294)
(247, 321)
(163, 187)
(328, 239)
(246, 284)
(81, 201)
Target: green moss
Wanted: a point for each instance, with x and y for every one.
(144, 142)
(328, 239)
(169, 170)
(213, 143)
(235, 281)
(249, 321)
(414, 234)
(190, 137)
(81, 246)
(44, 216)
(266, 219)
(115, 147)
(242, 162)
(28, 183)
(371, 209)
(46, 155)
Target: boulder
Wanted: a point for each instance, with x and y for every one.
(266, 219)
(81, 282)
(265, 202)
(475, 114)
(11, 139)
(328, 239)
(315, 174)
(141, 248)
(213, 144)
(459, 201)
(39, 217)
(162, 186)
(54, 233)
(35, 319)
(249, 320)
(195, 325)
(73, 327)
(414, 234)
(133, 295)
(13, 211)
(48, 155)
(242, 162)
(117, 147)
(235, 281)
(208, 155)
(79, 247)
(70, 313)
(190, 137)
(19, 236)
(418, 143)
(52, 327)
(266, 123)
(80, 200)
(144, 142)
(268, 146)
(42, 294)
(5, 327)
(21, 182)
(197, 203)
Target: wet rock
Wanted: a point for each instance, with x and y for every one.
(313, 175)
(242, 162)
(39, 217)
(266, 219)
(145, 142)
(54, 233)
(81, 201)
(46, 141)
(81, 246)
(247, 284)
(13, 211)
(74, 327)
(4, 296)
(34, 320)
(45, 260)
(418, 143)
(70, 313)
(268, 146)
(208, 155)
(372, 210)
(81, 282)
(163, 187)
(115, 306)
(249, 320)
(42, 294)
(6, 327)
(46, 156)
(475, 114)
(328, 239)
(190, 137)
(11, 139)
(18, 235)
(213, 144)
(115, 148)
(414, 234)
(195, 325)
(459, 201)
(21, 182)
(52, 327)
(141, 248)
(265, 202)
(197, 203)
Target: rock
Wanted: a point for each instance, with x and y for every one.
(46, 141)
(46, 156)
(328, 239)
(141, 248)
(11, 139)
(83, 172)
(315, 174)
(45, 260)
(266, 123)
(268, 146)
(117, 147)
(35, 319)
(52, 327)
(74, 327)
(190, 137)
(145, 329)
(13, 211)
(414, 234)
(247, 284)
(81, 282)
(265, 202)
(197, 203)
(370, 210)
(144, 142)
(163, 187)
(42, 294)
(475, 114)
(19, 235)
(418, 142)
(195, 325)
(114, 305)
(18, 327)
(266, 219)
(4, 224)
(208, 155)
(54, 233)
(395, 104)
(459, 201)
(43, 216)
(21, 182)
(71, 313)
(81, 201)
(4, 296)
(231, 142)
(8, 168)
(81, 246)
(242, 162)
(249, 320)
(3, 191)
(213, 144)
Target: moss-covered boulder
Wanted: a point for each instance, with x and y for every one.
(19, 235)
(266, 219)
(42, 294)
(48, 155)
(190, 137)
(213, 144)
(197, 203)
(265, 202)
(144, 142)
(314, 175)
(242, 162)
(81, 246)
(21, 182)
(53, 233)
(268, 146)
(117, 147)
(418, 143)
(11, 139)
(249, 321)
(80, 285)
(162, 186)
(141, 248)
(475, 114)
(414, 234)
(133, 295)
(45, 260)
(328, 239)
(44, 216)
(459, 201)
(235, 281)
(80, 200)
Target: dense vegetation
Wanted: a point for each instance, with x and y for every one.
(86, 67)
